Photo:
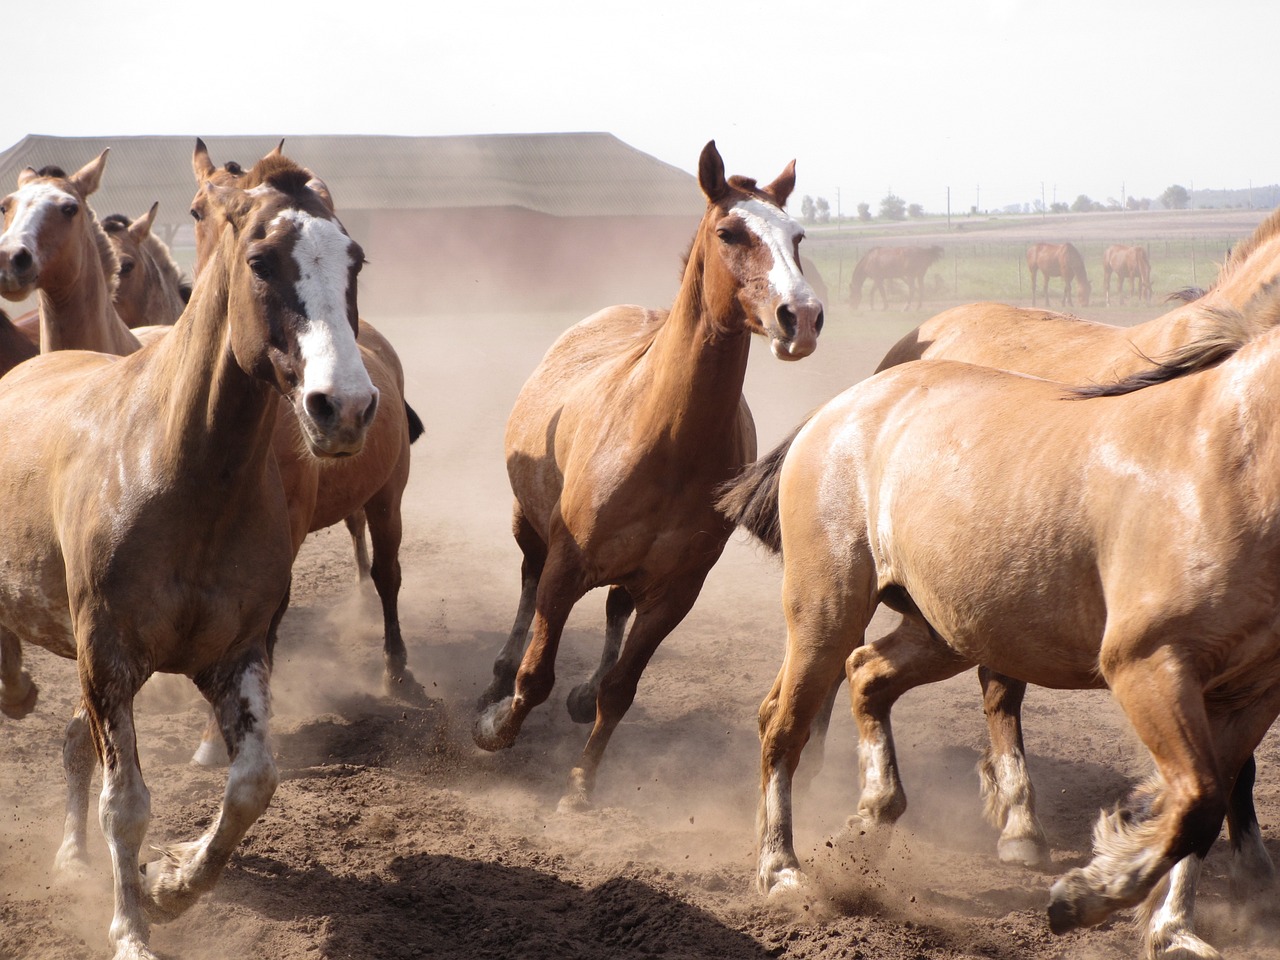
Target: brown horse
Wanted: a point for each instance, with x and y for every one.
(150, 287)
(1146, 563)
(1127, 263)
(1058, 260)
(145, 527)
(892, 263)
(617, 442)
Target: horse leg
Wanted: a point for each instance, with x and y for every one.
(18, 692)
(241, 698)
(1251, 870)
(385, 531)
(79, 760)
(618, 607)
(880, 673)
(1176, 815)
(508, 662)
(1009, 795)
(558, 589)
(825, 622)
(356, 524)
(655, 619)
(814, 757)
(1033, 285)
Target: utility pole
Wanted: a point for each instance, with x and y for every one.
(1042, 209)
(948, 209)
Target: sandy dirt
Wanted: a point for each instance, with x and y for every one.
(392, 836)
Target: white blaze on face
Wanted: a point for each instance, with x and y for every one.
(32, 204)
(778, 232)
(331, 360)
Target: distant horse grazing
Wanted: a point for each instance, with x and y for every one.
(145, 528)
(1146, 562)
(1058, 260)
(1127, 263)
(617, 442)
(150, 286)
(892, 263)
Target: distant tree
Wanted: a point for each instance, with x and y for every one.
(1058, 207)
(1175, 198)
(808, 210)
(823, 212)
(1082, 204)
(893, 207)
(1132, 203)
(864, 211)
(915, 211)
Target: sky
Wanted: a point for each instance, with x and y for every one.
(1001, 101)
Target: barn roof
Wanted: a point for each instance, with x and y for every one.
(561, 174)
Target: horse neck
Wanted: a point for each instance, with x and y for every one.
(1249, 276)
(164, 281)
(76, 312)
(218, 419)
(698, 362)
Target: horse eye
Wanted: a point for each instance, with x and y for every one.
(4, 209)
(70, 209)
(195, 215)
(126, 268)
(727, 235)
(261, 267)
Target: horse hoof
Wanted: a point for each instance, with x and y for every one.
(489, 732)
(210, 755)
(1024, 852)
(18, 707)
(501, 687)
(405, 688)
(573, 802)
(786, 882)
(582, 704)
(1181, 945)
(132, 949)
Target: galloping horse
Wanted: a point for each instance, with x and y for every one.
(1127, 263)
(617, 442)
(1147, 563)
(891, 263)
(150, 286)
(145, 527)
(1058, 260)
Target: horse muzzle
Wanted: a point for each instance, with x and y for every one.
(18, 272)
(334, 426)
(794, 331)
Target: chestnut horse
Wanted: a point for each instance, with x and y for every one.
(150, 287)
(1058, 260)
(145, 526)
(892, 263)
(1127, 263)
(617, 442)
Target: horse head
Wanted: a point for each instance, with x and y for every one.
(291, 280)
(751, 258)
(42, 218)
(150, 288)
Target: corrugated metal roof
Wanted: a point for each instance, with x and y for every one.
(561, 174)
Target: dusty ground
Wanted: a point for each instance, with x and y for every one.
(392, 836)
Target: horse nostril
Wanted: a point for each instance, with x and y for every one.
(787, 320)
(319, 407)
(22, 259)
(817, 324)
(369, 411)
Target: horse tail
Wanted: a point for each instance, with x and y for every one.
(750, 499)
(416, 429)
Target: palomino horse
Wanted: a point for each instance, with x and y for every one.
(892, 263)
(1127, 263)
(1146, 564)
(617, 442)
(150, 286)
(1058, 260)
(145, 524)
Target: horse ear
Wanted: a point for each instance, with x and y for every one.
(279, 150)
(201, 165)
(27, 175)
(87, 178)
(711, 173)
(781, 188)
(140, 229)
(321, 190)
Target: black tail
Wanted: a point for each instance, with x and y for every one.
(751, 498)
(416, 429)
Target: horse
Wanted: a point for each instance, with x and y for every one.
(616, 443)
(15, 346)
(1127, 263)
(145, 525)
(890, 263)
(151, 288)
(1146, 563)
(1058, 260)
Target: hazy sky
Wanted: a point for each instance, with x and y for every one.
(993, 98)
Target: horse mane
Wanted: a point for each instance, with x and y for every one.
(1242, 251)
(52, 171)
(1226, 330)
(278, 172)
(106, 253)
